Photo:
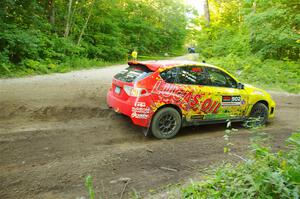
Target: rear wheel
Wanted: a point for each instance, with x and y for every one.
(258, 116)
(166, 123)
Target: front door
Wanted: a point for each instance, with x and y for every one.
(233, 101)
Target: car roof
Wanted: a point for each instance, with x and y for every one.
(161, 64)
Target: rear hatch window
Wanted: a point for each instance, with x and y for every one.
(133, 73)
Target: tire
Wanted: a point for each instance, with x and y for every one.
(166, 123)
(258, 116)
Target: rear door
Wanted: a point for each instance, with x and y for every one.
(197, 100)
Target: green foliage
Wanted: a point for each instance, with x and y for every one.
(90, 187)
(256, 39)
(264, 175)
(33, 67)
(269, 73)
(134, 195)
(268, 29)
(36, 34)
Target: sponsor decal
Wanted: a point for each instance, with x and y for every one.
(243, 102)
(197, 117)
(231, 100)
(197, 69)
(140, 104)
(139, 115)
(215, 116)
(170, 93)
(140, 110)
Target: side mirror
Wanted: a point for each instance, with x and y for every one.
(240, 86)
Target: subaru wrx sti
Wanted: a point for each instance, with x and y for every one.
(164, 96)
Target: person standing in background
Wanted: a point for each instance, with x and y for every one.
(134, 55)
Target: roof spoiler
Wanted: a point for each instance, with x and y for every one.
(132, 63)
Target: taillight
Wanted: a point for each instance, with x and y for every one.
(128, 89)
(134, 91)
(138, 92)
(144, 92)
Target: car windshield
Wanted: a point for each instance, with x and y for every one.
(133, 73)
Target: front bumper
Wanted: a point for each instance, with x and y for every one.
(272, 106)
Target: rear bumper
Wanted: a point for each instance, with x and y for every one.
(135, 108)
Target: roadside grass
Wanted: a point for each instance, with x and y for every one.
(281, 75)
(262, 174)
(34, 67)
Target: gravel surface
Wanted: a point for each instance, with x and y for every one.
(56, 129)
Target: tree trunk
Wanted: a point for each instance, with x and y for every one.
(206, 12)
(67, 30)
(51, 12)
(84, 27)
(252, 33)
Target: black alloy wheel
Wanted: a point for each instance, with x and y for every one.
(259, 115)
(166, 123)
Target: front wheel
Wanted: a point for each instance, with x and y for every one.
(258, 116)
(166, 123)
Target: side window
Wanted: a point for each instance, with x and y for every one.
(221, 79)
(169, 75)
(194, 75)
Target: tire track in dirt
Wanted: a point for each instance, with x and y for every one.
(56, 129)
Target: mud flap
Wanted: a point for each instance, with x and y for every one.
(146, 131)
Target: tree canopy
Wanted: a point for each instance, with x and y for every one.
(52, 31)
(268, 29)
(44, 35)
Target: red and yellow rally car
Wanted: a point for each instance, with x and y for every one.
(163, 96)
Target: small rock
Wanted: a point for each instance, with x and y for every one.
(168, 169)
(113, 181)
(149, 150)
(81, 197)
(120, 180)
(124, 179)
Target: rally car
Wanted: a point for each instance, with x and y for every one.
(163, 96)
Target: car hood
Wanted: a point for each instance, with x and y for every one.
(256, 91)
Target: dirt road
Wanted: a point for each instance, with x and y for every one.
(56, 129)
